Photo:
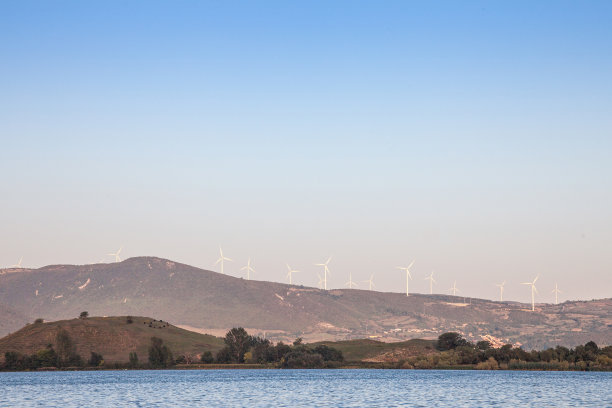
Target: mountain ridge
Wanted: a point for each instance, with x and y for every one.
(212, 302)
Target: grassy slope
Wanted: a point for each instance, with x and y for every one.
(110, 336)
(366, 349)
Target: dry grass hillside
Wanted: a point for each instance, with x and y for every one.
(113, 337)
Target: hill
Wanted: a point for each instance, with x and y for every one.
(210, 302)
(378, 351)
(112, 337)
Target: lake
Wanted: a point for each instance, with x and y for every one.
(320, 388)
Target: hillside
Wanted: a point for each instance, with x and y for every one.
(112, 337)
(378, 351)
(210, 302)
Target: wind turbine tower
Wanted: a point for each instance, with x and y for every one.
(370, 282)
(350, 283)
(18, 264)
(454, 289)
(248, 268)
(222, 259)
(556, 291)
(116, 255)
(501, 290)
(533, 291)
(290, 273)
(431, 280)
(325, 271)
(408, 275)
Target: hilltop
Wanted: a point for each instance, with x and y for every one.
(113, 337)
(210, 302)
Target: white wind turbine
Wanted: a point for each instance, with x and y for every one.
(350, 283)
(501, 290)
(370, 282)
(533, 291)
(431, 280)
(18, 264)
(556, 291)
(222, 259)
(116, 255)
(320, 284)
(408, 275)
(248, 268)
(325, 271)
(454, 289)
(290, 273)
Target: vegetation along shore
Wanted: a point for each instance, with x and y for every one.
(129, 342)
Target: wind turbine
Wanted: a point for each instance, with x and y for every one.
(431, 282)
(290, 273)
(320, 284)
(454, 289)
(350, 283)
(501, 290)
(248, 268)
(18, 264)
(370, 282)
(408, 275)
(533, 291)
(556, 291)
(222, 259)
(116, 255)
(325, 271)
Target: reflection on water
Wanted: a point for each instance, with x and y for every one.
(320, 388)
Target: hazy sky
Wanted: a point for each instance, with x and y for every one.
(472, 137)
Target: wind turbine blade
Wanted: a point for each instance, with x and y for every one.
(411, 263)
(534, 281)
(535, 289)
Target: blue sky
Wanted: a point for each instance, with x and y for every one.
(473, 137)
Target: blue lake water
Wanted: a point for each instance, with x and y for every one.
(317, 388)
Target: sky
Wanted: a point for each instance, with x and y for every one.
(474, 138)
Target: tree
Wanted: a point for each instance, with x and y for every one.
(207, 357)
(133, 359)
(238, 343)
(223, 356)
(66, 350)
(95, 359)
(160, 356)
(329, 353)
(450, 341)
(39, 321)
(483, 345)
(84, 315)
(129, 320)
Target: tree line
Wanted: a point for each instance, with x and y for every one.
(455, 351)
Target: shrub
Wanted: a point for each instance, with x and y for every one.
(133, 360)
(84, 315)
(95, 359)
(207, 357)
(490, 364)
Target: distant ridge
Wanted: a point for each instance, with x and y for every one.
(211, 302)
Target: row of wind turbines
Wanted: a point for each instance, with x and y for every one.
(322, 283)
